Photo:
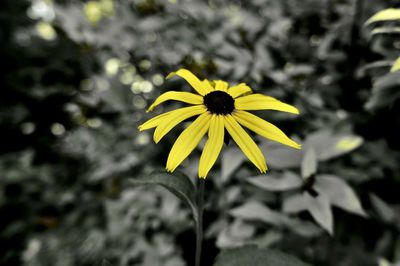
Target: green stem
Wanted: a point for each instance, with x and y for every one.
(199, 224)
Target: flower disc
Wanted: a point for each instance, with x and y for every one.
(219, 102)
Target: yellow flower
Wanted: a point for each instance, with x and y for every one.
(218, 107)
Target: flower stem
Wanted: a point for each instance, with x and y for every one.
(199, 224)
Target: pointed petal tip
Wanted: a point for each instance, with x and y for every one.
(156, 138)
(293, 110)
(170, 75)
(202, 173)
(264, 170)
(293, 145)
(151, 108)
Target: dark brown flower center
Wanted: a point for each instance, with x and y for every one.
(219, 102)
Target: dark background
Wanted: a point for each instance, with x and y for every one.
(76, 77)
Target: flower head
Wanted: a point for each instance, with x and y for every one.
(217, 107)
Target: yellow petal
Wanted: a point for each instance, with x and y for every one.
(187, 141)
(262, 102)
(245, 143)
(174, 118)
(385, 15)
(213, 145)
(263, 128)
(155, 121)
(221, 85)
(239, 89)
(182, 96)
(201, 87)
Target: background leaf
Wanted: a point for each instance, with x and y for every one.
(276, 182)
(384, 92)
(280, 157)
(386, 213)
(309, 163)
(328, 145)
(258, 212)
(320, 209)
(294, 204)
(232, 158)
(339, 193)
(251, 255)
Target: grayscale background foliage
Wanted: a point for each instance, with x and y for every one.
(77, 76)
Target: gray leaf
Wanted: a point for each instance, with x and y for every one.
(309, 163)
(339, 193)
(276, 182)
(294, 204)
(328, 145)
(320, 209)
(178, 183)
(256, 211)
(251, 255)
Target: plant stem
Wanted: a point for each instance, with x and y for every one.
(199, 225)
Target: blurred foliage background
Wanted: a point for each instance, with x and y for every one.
(76, 77)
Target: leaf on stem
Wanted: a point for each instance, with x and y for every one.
(177, 183)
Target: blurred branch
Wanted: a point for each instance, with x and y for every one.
(355, 26)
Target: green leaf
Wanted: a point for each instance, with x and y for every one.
(309, 163)
(253, 256)
(328, 145)
(320, 209)
(339, 193)
(276, 182)
(178, 183)
(396, 64)
(258, 212)
(389, 14)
